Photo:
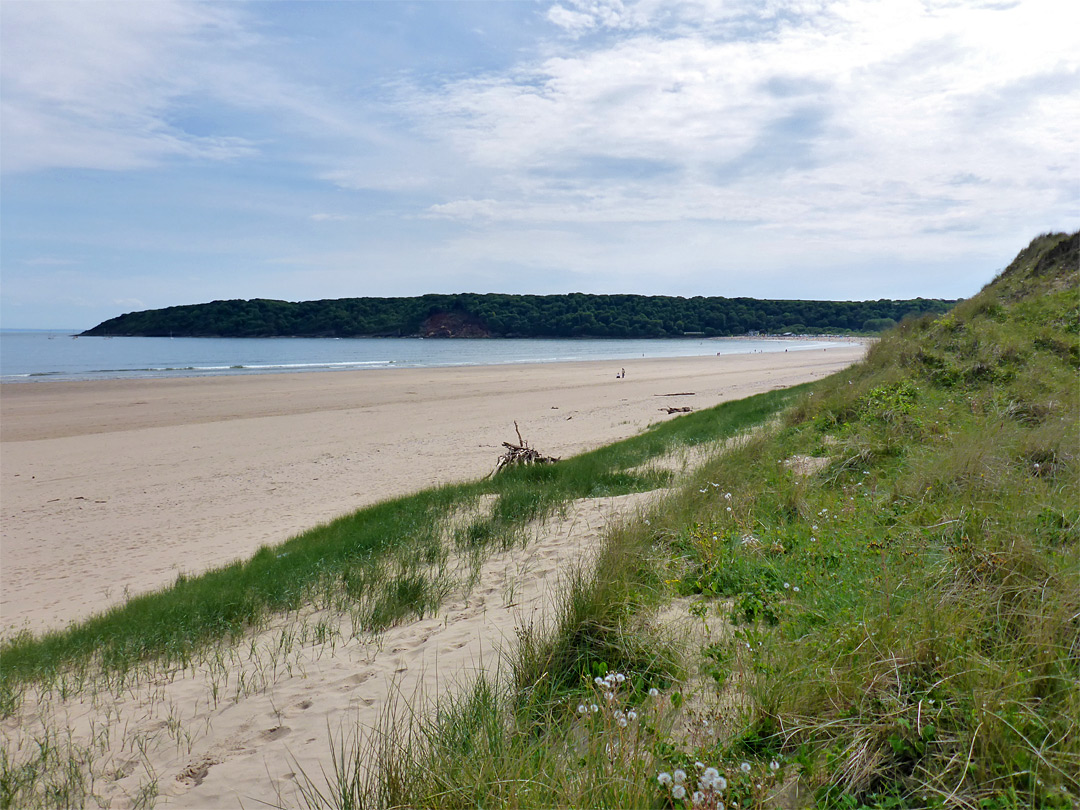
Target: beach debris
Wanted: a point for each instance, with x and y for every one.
(686, 409)
(678, 394)
(519, 454)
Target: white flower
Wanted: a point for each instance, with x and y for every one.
(631, 716)
(622, 722)
(581, 709)
(678, 792)
(727, 496)
(709, 775)
(787, 585)
(598, 681)
(664, 778)
(654, 692)
(719, 784)
(796, 589)
(679, 776)
(594, 708)
(619, 677)
(774, 765)
(609, 696)
(745, 767)
(699, 765)
(698, 797)
(618, 713)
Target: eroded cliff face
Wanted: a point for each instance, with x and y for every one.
(453, 324)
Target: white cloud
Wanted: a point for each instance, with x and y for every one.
(842, 119)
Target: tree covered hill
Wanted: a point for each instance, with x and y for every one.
(502, 315)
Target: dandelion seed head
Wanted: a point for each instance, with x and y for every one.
(679, 776)
(787, 585)
(594, 708)
(664, 778)
(678, 792)
(774, 765)
(581, 709)
(698, 798)
(745, 767)
(654, 692)
(699, 765)
(631, 716)
(622, 722)
(795, 589)
(619, 677)
(598, 681)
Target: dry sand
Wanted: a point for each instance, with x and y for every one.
(111, 488)
(114, 486)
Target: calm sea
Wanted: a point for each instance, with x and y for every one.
(32, 356)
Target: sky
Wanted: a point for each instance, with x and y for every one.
(158, 153)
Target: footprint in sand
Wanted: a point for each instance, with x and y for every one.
(275, 733)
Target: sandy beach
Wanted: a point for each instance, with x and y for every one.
(114, 488)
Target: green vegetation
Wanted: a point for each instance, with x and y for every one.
(896, 567)
(497, 315)
(881, 581)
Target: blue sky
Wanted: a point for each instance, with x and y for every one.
(158, 153)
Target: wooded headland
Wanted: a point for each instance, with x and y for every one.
(502, 315)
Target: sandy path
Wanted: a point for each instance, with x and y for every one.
(115, 487)
(238, 727)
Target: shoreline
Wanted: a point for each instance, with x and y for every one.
(114, 487)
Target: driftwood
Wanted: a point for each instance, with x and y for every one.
(519, 454)
(687, 409)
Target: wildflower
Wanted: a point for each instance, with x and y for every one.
(594, 708)
(609, 696)
(703, 490)
(678, 792)
(774, 765)
(622, 722)
(728, 508)
(697, 798)
(679, 776)
(787, 585)
(631, 716)
(581, 709)
(654, 692)
(795, 589)
(598, 681)
(699, 765)
(618, 714)
(745, 767)
(664, 779)
(619, 677)
(727, 496)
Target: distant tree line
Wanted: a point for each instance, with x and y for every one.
(500, 315)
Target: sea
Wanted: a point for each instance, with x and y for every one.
(34, 356)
